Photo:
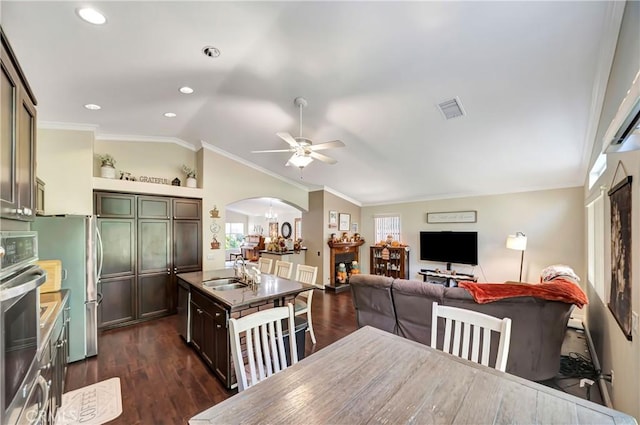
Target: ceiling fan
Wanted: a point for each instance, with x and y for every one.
(303, 149)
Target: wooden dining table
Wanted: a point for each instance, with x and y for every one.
(372, 376)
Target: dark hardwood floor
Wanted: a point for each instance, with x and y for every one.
(163, 381)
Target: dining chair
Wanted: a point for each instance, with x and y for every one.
(306, 274)
(264, 344)
(283, 269)
(265, 265)
(477, 326)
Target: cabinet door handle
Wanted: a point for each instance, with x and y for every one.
(218, 326)
(199, 311)
(217, 314)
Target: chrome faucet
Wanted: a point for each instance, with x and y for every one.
(240, 271)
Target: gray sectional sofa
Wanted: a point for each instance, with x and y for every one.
(403, 307)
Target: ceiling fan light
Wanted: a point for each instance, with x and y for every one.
(300, 161)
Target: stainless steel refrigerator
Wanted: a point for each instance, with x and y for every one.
(76, 242)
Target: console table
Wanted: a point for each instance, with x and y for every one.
(446, 279)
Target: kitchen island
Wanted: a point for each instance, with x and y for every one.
(208, 299)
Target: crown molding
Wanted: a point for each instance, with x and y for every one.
(144, 139)
(612, 22)
(249, 164)
(55, 125)
(339, 195)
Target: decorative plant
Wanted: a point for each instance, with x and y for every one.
(106, 160)
(190, 172)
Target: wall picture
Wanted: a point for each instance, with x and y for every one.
(345, 222)
(620, 293)
(333, 219)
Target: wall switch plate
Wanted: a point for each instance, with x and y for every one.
(634, 322)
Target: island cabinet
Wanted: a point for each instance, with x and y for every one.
(209, 334)
(208, 313)
(17, 138)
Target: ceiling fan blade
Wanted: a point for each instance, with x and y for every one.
(327, 145)
(273, 150)
(323, 158)
(289, 139)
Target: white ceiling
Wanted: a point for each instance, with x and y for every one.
(372, 72)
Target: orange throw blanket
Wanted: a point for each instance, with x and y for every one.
(555, 290)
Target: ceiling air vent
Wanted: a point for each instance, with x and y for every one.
(451, 108)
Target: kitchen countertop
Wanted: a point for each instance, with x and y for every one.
(271, 287)
(54, 301)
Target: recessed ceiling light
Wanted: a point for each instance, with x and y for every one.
(211, 51)
(92, 106)
(91, 15)
(169, 114)
(186, 90)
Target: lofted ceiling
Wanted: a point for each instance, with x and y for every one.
(373, 73)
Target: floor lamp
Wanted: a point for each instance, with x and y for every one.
(519, 243)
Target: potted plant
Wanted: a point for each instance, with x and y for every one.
(107, 166)
(191, 176)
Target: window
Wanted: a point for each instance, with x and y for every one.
(234, 235)
(599, 167)
(386, 225)
(595, 242)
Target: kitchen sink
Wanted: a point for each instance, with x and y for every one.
(229, 287)
(223, 281)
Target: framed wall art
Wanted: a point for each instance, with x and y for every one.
(620, 292)
(452, 217)
(333, 219)
(345, 222)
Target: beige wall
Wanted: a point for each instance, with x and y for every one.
(316, 231)
(151, 159)
(225, 181)
(64, 161)
(553, 221)
(614, 351)
(312, 231)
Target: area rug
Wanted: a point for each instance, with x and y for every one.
(91, 405)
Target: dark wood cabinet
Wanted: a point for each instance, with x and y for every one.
(154, 268)
(17, 139)
(118, 246)
(209, 334)
(39, 197)
(117, 304)
(187, 209)
(390, 261)
(114, 205)
(187, 245)
(154, 207)
(144, 243)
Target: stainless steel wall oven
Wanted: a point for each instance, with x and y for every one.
(23, 392)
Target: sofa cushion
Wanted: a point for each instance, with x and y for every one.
(413, 301)
(373, 301)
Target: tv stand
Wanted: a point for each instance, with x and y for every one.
(446, 278)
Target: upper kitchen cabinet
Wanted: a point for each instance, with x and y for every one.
(114, 205)
(17, 139)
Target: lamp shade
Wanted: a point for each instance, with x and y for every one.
(300, 161)
(517, 241)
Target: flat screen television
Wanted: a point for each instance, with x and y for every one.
(449, 247)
